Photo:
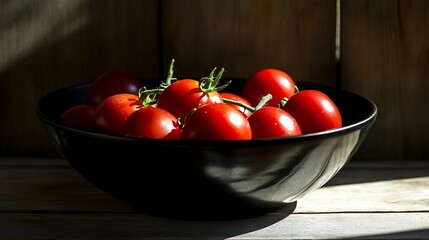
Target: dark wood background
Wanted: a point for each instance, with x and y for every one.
(380, 50)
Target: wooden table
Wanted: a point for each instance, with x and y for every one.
(47, 199)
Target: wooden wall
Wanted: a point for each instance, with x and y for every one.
(385, 57)
(49, 44)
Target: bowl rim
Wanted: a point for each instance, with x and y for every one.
(327, 133)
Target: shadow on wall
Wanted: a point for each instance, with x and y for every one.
(51, 44)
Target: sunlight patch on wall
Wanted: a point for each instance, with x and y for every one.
(28, 25)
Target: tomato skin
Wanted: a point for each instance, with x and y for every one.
(270, 121)
(314, 111)
(112, 113)
(80, 116)
(151, 122)
(217, 121)
(268, 81)
(111, 83)
(237, 98)
(182, 96)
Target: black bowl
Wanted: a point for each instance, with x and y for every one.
(209, 179)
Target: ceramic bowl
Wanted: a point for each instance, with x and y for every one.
(209, 179)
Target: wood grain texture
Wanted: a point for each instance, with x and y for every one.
(46, 199)
(52, 185)
(385, 57)
(46, 45)
(50, 226)
(50, 44)
(244, 36)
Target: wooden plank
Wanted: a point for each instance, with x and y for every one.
(384, 57)
(52, 185)
(137, 226)
(399, 195)
(46, 199)
(373, 187)
(29, 162)
(243, 36)
(53, 188)
(46, 45)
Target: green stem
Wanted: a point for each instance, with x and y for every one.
(169, 78)
(238, 103)
(222, 87)
(150, 96)
(217, 79)
(285, 99)
(210, 84)
(283, 102)
(262, 103)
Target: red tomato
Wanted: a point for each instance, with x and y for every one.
(112, 113)
(111, 83)
(270, 121)
(81, 116)
(237, 98)
(268, 81)
(152, 122)
(217, 121)
(314, 111)
(182, 96)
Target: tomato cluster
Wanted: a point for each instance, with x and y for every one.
(269, 105)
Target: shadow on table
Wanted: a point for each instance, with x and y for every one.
(128, 225)
(226, 213)
(223, 229)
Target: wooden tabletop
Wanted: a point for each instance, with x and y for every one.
(47, 199)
